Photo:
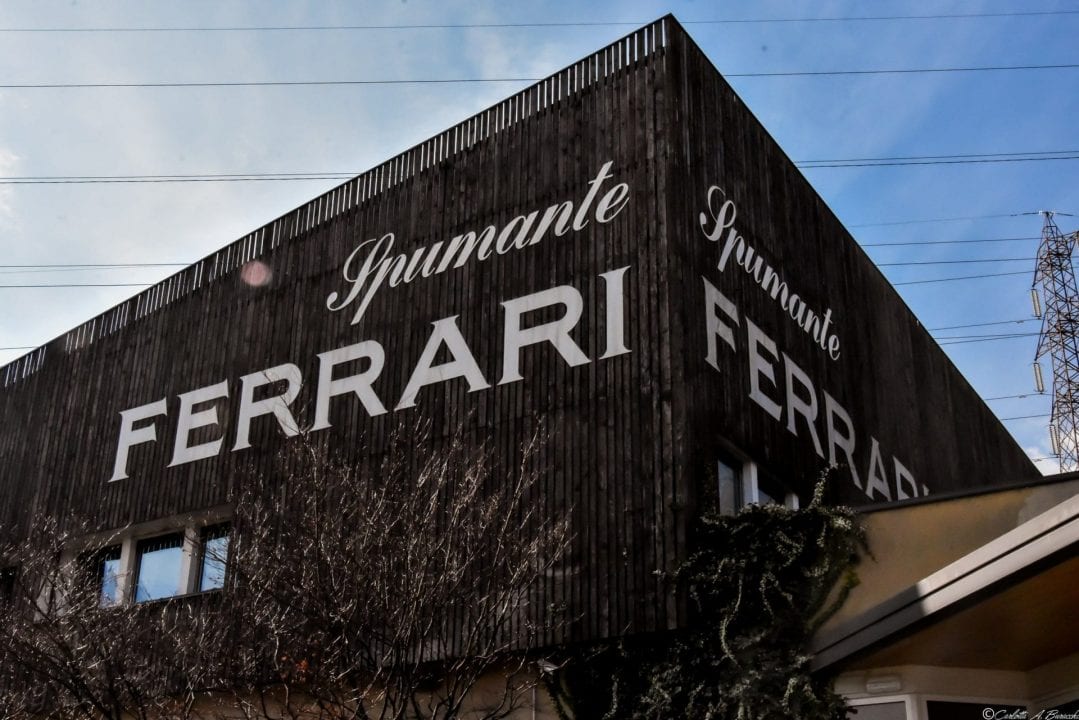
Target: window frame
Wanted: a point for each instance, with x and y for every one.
(748, 479)
(191, 529)
(95, 561)
(205, 534)
(737, 491)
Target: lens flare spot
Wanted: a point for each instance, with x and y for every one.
(256, 274)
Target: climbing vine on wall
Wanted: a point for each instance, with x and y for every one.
(759, 584)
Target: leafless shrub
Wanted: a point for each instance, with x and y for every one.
(391, 589)
(68, 653)
(398, 587)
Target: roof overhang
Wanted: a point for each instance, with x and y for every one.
(1003, 606)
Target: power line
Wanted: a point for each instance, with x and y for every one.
(963, 277)
(932, 162)
(986, 339)
(936, 220)
(988, 336)
(120, 265)
(951, 159)
(461, 26)
(941, 242)
(941, 157)
(942, 340)
(898, 71)
(98, 265)
(28, 269)
(984, 324)
(1015, 397)
(437, 81)
(108, 179)
(78, 269)
(51, 271)
(954, 262)
(260, 83)
(907, 282)
(75, 285)
(344, 175)
(1024, 417)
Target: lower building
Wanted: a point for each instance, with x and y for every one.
(966, 610)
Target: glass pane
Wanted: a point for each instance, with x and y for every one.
(159, 567)
(7, 584)
(109, 576)
(882, 711)
(769, 492)
(943, 710)
(730, 490)
(215, 555)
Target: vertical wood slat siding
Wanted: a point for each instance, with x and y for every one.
(203, 325)
(896, 383)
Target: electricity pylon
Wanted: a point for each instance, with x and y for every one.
(1060, 321)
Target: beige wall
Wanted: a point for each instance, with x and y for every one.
(909, 543)
(925, 680)
(531, 702)
(1054, 683)
(1047, 686)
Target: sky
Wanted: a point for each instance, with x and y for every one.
(50, 132)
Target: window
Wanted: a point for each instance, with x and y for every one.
(769, 492)
(8, 578)
(730, 486)
(739, 483)
(159, 563)
(191, 558)
(214, 541)
(106, 563)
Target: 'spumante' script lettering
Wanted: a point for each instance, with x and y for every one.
(373, 262)
(719, 220)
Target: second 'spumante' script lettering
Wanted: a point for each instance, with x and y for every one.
(719, 219)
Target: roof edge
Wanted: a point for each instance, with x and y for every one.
(988, 566)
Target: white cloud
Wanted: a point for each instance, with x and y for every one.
(9, 161)
(1043, 459)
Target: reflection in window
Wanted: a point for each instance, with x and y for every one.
(764, 497)
(158, 566)
(773, 492)
(8, 577)
(215, 555)
(946, 710)
(108, 575)
(883, 711)
(730, 487)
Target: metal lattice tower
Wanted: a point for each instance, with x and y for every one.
(1060, 322)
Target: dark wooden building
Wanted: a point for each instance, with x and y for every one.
(619, 251)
